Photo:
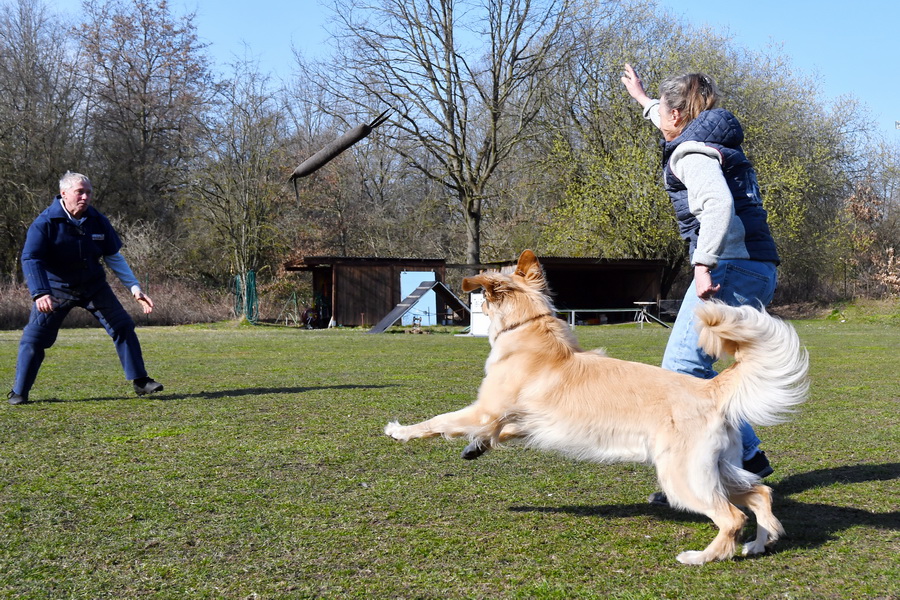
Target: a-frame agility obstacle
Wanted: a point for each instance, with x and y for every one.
(449, 298)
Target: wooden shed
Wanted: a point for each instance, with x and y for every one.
(602, 283)
(361, 291)
(591, 284)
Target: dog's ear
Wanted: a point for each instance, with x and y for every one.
(494, 286)
(470, 284)
(530, 269)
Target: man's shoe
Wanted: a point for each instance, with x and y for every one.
(146, 385)
(15, 398)
(759, 465)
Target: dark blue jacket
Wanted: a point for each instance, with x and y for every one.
(719, 129)
(62, 258)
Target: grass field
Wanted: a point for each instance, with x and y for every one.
(262, 472)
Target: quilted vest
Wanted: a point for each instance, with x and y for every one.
(719, 129)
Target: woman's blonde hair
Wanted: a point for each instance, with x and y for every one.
(690, 94)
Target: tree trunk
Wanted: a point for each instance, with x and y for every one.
(473, 237)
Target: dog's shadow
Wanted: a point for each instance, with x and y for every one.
(255, 391)
(808, 524)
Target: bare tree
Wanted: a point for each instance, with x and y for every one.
(365, 201)
(38, 110)
(462, 78)
(148, 83)
(238, 188)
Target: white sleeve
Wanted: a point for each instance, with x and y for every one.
(651, 112)
(116, 263)
(699, 168)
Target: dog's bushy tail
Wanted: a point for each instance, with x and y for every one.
(770, 374)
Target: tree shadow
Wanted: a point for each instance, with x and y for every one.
(235, 393)
(808, 524)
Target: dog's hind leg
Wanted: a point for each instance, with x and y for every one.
(697, 489)
(479, 446)
(475, 449)
(729, 520)
(768, 527)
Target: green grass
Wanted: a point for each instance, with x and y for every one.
(262, 472)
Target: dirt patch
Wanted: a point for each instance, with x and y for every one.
(801, 310)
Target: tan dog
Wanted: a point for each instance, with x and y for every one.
(540, 387)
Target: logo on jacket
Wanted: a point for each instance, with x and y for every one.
(98, 237)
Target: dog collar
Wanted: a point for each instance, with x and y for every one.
(526, 321)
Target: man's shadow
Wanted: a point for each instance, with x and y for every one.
(808, 525)
(236, 393)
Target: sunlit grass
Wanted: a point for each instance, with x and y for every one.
(261, 471)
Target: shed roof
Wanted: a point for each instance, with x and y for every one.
(306, 263)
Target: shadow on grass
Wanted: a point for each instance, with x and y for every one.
(808, 525)
(257, 391)
(813, 524)
(614, 511)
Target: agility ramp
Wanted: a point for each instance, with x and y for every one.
(449, 298)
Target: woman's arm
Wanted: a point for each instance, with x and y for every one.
(635, 88)
(699, 168)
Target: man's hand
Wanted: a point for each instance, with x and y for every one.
(45, 304)
(145, 302)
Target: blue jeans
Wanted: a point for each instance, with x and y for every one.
(743, 282)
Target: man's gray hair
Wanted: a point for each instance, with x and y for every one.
(70, 180)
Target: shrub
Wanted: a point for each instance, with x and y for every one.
(176, 302)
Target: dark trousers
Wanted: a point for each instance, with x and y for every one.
(42, 329)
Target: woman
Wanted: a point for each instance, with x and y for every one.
(717, 202)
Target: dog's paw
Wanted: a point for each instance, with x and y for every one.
(395, 430)
(754, 547)
(692, 557)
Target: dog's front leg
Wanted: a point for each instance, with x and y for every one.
(464, 422)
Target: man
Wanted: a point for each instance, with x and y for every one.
(61, 261)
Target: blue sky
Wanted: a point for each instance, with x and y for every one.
(850, 46)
